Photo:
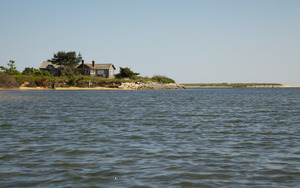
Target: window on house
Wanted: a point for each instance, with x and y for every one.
(100, 72)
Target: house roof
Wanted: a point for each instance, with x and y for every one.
(98, 66)
(86, 64)
(104, 66)
(45, 64)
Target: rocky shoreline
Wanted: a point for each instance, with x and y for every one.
(123, 86)
(145, 86)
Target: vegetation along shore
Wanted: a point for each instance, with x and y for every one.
(233, 85)
(65, 72)
(68, 71)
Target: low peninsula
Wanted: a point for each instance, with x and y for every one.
(237, 85)
(31, 82)
(65, 72)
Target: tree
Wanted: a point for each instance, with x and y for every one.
(35, 72)
(126, 73)
(68, 59)
(12, 69)
(29, 71)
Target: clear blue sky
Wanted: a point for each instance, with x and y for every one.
(191, 41)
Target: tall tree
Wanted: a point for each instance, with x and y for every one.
(67, 59)
(12, 69)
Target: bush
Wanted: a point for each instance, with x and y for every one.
(28, 71)
(72, 82)
(82, 83)
(21, 79)
(162, 79)
(46, 73)
(7, 81)
(41, 82)
(126, 73)
(38, 73)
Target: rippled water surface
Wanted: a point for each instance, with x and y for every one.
(164, 138)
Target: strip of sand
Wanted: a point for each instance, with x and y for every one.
(60, 88)
(106, 88)
(289, 86)
(255, 86)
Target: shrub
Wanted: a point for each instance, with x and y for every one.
(38, 73)
(72, 81)
(41, 82)
(82, 83)
(126, 73)
(162, 79)
(7, 81)
(21, 79)
(46, 73)
(29, 71)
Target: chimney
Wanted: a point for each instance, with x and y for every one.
(93, 63)
(82, 67)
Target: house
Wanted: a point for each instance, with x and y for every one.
(100, 70)
(52, 68)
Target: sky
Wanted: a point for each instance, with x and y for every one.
(191, 41)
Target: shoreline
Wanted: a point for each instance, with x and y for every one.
(58, 88)
(257, 86)
(128, 88)
(123, 86)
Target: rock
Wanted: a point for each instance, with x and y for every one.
(153, 85)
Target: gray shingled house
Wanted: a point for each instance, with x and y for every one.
(52, 68)
(100, 70)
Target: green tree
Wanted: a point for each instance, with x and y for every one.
(12, 69)
(29, 71)
(41, 73)
(126, 73)
(67, 61)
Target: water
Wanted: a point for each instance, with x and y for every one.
(242, 137)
